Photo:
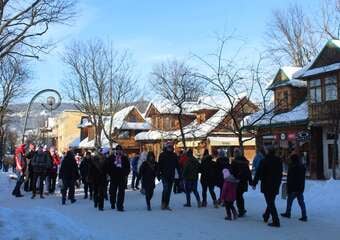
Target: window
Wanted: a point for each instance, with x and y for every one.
(167, 123)
(315, 91)
(331, 89)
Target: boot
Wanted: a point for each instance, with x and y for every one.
(234, 214)
(274, 224)
(215, 204)
(33, 196)
(163, 207)
(63, 201)
(265, 218)
(73, 200)
(303, 219)
(199, 204)
(241, 213)
(187, 205)
(42, 196)
(149, 208)
(204, 204)
(286, 215)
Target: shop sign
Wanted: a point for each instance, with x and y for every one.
(303, 136)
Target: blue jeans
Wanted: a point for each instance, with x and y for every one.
(300, 198)
(20, 181)
(191, 186)
(167, 187)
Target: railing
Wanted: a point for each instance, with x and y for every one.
(324, 111)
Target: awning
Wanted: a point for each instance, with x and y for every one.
(229, 141)
(188, 144)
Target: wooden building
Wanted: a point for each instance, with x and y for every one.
(124, 126)
(206, 126)
(286, 124)
(323, 82)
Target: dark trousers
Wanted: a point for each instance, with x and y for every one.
(205, 187)
(68, 189)
(87, 188)
(41, 177)
(177, 186)
(301, 201)
(51, 180)
(29, 182)
(148, 196)
(117, 193)
(230, 209)
(20, 180)
(98, 195)
(271, 208)
(167, 187)
(135, 180)
(240, 201)
(191, 186)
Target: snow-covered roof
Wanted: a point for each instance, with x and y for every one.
(308, 70)
(297, 114)
(86, 143)
(289, 81)
(191, 131)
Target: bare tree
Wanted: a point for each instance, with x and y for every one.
(100, 81)
(24, 22)
(13, 77)
(175, 82)
(291, 37)
(329, 22)
(243, 88)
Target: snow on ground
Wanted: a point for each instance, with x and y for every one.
(24, 218)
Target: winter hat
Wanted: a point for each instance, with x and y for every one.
(226, 173)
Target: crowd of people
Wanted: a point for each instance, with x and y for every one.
(104, 175)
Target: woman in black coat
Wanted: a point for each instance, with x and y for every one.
(270, 174)
(149, 172)
(240, 169)
(69, 175)
(296, 186)
(208, 169)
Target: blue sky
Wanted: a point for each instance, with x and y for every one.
(154, 30)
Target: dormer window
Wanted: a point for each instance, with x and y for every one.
(331, 89)
(315, 91)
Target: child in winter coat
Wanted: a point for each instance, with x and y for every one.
(229, 194)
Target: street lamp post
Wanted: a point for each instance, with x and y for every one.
(51, 104)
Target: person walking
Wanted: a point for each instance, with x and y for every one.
(148, 173)
(208, 169)
(69, 175)
(41, 162)
(270, 174)
(240, 169)
(229, 194)
(222, 162)
(260, 154)
(296, 186)
(135, 175)
(118, 169)
(190, 176)
(168, 163)
(97, 177)
(28, 186)
(84, 173)
(53, 171)
(21, 166)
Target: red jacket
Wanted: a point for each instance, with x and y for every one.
(182, 160)
(20, 160)
(55, 163)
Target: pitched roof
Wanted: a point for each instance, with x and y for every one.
(287, 79)
(310, 70)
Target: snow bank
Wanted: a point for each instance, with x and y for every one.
(38, 223)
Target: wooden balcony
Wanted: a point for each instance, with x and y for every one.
(324, 111)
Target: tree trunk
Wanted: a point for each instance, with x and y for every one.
(240, 142)
(181, 129)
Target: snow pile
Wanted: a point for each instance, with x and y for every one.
(39, 223)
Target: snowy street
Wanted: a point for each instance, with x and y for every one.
(23, 218)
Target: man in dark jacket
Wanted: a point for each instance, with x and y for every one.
(208, 171)
(69, 175)
(168, 163)
(296, 186)
(41, 162)
(97, 177)
(270, 174)
(240, 169)
(190, 175)
(29, 171)
(84, 172)
(118, 167)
